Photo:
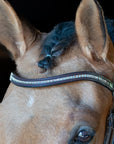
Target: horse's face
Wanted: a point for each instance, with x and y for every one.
(70, 113)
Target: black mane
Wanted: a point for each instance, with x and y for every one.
(57, 41)
(110, 27)
(60, 38)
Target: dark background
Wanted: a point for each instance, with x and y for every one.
(44, 15)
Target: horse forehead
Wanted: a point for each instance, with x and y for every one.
(65, 106)
(66, 97)
(91, 95)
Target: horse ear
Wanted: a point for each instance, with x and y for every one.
(91, 29)
(11, 32)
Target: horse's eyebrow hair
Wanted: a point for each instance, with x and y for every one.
(86, 117)
(78, 103)
(89, 109)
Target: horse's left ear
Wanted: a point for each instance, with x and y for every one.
(11, 31)
(91, 29)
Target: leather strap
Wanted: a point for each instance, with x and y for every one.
(109, 135)
(62, 79)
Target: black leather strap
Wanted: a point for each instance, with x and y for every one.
(62, 79)
(109, 135)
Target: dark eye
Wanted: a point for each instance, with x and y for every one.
(82, 136)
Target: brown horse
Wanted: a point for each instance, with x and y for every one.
(71, 113)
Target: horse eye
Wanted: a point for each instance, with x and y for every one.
(83, 136)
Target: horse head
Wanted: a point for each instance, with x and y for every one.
(74, 112)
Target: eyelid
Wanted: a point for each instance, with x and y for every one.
(76, 131)
(86, 128)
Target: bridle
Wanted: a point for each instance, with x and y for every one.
(72, 77)
(109, 135)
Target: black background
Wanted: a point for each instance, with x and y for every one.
(44, 15)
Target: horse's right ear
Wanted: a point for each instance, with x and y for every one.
(91, 30)
(11, 32)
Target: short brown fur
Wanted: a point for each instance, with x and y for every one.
(49, 115)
